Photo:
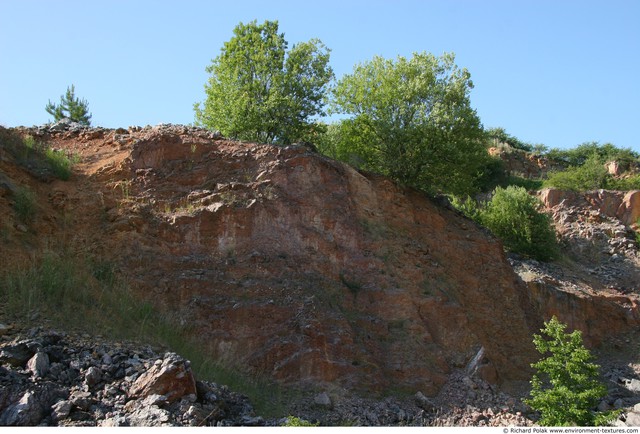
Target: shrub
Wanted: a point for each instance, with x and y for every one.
(512, 215)
(580, 154)
(526, 183)
(467, 206)
(624, 184)
(566, 388)
(591, 175)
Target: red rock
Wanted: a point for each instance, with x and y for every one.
(629, 210)
(172, 378)
(285, 263)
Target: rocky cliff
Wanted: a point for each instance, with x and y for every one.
(285, 263)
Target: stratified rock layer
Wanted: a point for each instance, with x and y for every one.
(284, 262)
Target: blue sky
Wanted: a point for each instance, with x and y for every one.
(558, 72)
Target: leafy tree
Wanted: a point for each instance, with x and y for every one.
(566, 388)
(512, 215)
(411, 119)
(260, 92)
(70, 107)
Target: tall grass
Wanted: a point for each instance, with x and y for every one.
(24, 204)
(89, 296)
(38, 156)
(60, 163)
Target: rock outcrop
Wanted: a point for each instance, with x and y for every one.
(289, 263)
(284, 263)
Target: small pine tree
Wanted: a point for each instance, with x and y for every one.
(70, 107)
(571, 388)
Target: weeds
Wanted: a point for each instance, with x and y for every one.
(125, 188)
(25, 204)
(89, 296)
(60, 163)
(296, 421)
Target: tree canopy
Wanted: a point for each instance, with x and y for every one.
(411, 119)
(70, 107)
(259, 91)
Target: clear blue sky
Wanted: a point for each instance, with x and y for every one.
(558, 72)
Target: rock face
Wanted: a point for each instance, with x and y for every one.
(595, 290)
(624, 206)
(282, 261)
(291, 264)
(524, 164)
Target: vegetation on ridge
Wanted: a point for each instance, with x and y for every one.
(70, 107)
(259, 91)
(411, 119)
(513, 215)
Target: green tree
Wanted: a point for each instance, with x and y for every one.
(260, 92)
(411, 119)
(70, 107)
(566, 388)
(512, 215)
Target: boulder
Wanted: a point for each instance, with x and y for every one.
(629, 210)
(92, 376)
(27, 411)
(172, 378)
(17, 354)
(39, 364)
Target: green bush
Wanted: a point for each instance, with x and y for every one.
(512, 215)
(526, 183)
(624, 184)
(466, 206)
(591, 175)
(580, 154)
(566, 388)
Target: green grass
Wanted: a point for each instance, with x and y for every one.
(89, 296)
(38, 156)
(24, 204)
(60, 163)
